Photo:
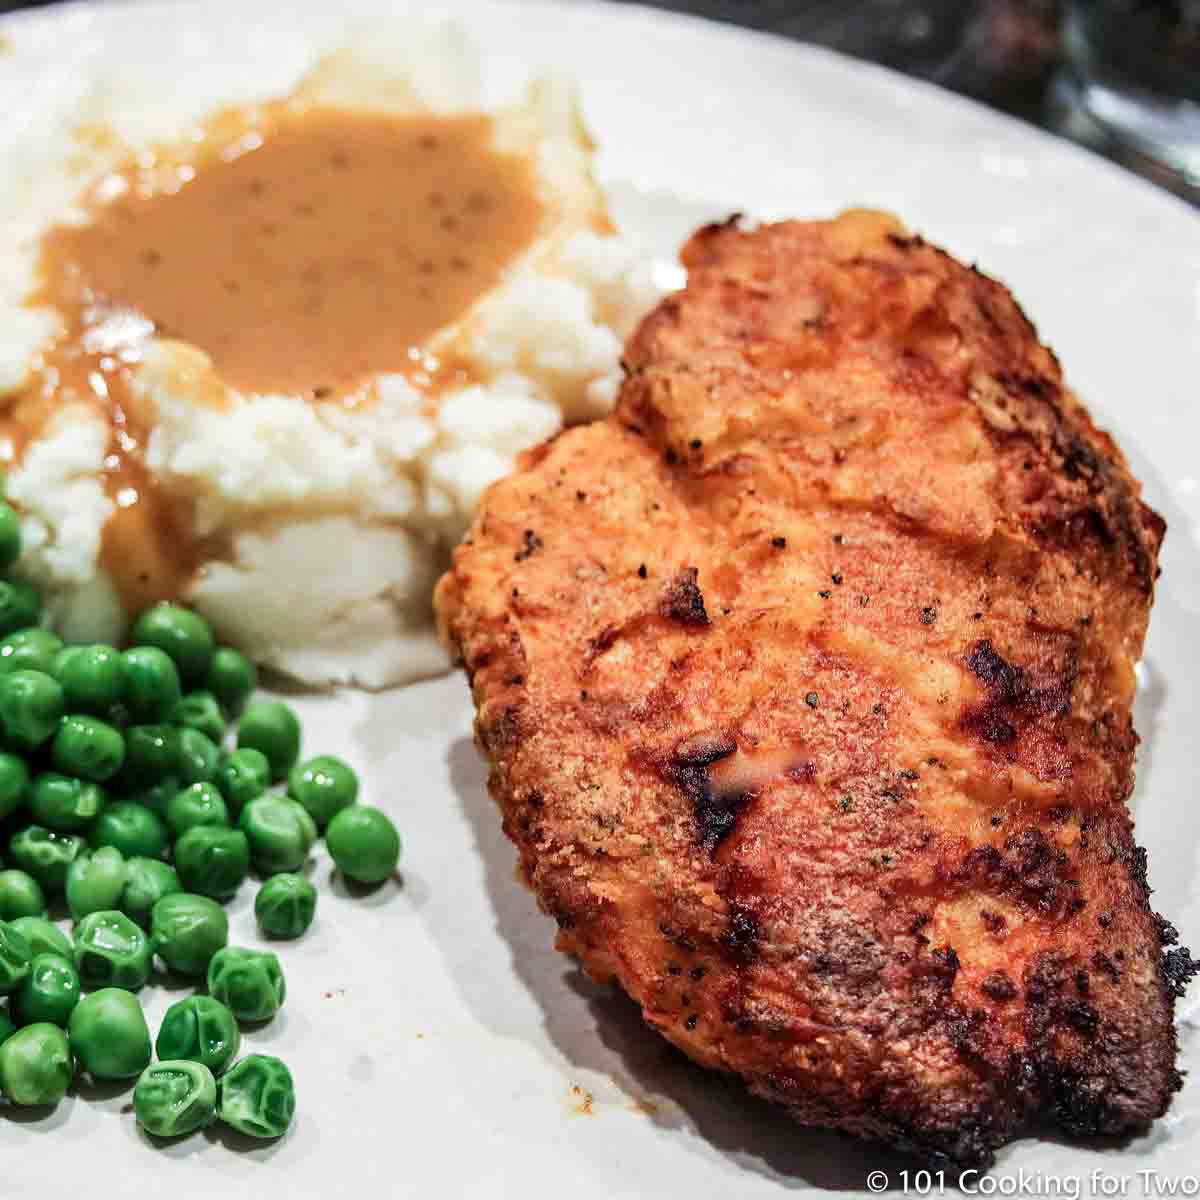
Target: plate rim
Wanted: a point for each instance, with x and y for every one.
(634, 14)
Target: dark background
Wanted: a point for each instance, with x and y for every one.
(1006, 53)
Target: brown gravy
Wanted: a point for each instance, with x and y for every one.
(302, 251)
(323, 255)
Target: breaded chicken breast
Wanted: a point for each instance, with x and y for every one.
(806, 682)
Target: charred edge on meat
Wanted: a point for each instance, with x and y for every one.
(1012, 698)
(683, 600)
(1028, 868)
(1086, 1091)
(715, 813)
(742, 934)
(997, 986)
(530, 545)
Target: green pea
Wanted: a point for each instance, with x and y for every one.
(91, 677)
(43, 936)
(324, 786)
(65, 804)
(15, 956)
(63, 657)
(188, 930)
(48, 993)
(112, 952)
(134, 829)
(151, 683)
(7, 1028)
(280, 833)
(36, 1065)
(198, 804)
(10, 535)
(243, 776)
(257, 1097)
(147, 881)
(14, 783)
(364, 843)
(249, 982)
(272, 727)
(179, 632)
(109, 1034)
(175, 1097)
(20, 605)
(29, 649)
(45, 854)
(199, 1029)
(199, 757)
(88, 747)
(95, 881)
(31, 706)
(201, 711)
(231, 678)
(212, 860)
(155, 796)
(151, 752)
(285, 905)
(20, 896)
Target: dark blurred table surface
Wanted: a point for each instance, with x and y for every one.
(1005, 53)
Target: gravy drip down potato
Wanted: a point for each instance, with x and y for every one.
(806, 682)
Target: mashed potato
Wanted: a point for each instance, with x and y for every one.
(325, 525)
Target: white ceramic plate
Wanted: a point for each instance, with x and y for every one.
(440, 1046)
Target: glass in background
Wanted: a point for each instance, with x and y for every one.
(1135, 69)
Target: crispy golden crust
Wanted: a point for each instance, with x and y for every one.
(806, 682)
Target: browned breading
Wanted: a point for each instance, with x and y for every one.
(806, 681)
